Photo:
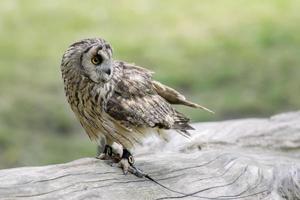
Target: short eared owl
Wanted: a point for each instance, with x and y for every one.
(117, 100)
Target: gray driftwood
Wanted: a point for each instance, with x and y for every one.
(239, 159)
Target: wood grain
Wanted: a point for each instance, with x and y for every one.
(239, 159)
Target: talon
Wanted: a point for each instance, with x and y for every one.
(107, 153)
(116, 158)
(124, 165)
(102, 156)
(126, 162)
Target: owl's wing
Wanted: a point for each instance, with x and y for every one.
(174, 97)
(136, 102)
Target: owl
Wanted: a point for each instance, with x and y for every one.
(118, 101)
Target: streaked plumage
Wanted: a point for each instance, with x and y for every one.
(116, 99)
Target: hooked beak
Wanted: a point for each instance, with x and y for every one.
(106, 69)
(106, 64)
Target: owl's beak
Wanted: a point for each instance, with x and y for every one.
(106, 69)
(106, 65)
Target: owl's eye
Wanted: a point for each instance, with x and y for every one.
(96, 60)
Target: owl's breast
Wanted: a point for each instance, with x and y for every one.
(88, 100)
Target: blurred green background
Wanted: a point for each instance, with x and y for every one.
(240, 58)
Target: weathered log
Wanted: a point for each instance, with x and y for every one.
(239, 159)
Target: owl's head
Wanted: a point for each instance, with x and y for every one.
(91, 58)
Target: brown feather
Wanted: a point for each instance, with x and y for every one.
(174, 97)
(135, 102)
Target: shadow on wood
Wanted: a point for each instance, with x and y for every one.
(240, 159)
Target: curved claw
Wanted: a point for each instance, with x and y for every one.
(124, 164)
(126, 167)
(107, 154)
(103, 156)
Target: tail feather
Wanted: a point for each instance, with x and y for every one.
(194, 105)
(184, 133)
(182, 126)
(174, 97)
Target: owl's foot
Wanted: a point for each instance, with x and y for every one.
(106, 154)
(128, 165)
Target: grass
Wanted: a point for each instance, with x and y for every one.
(238, 57)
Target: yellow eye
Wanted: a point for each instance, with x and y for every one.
(95, 60)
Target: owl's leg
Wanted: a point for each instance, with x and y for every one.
(128, 165)
(107, 151)
(106, 154)
(126, 161)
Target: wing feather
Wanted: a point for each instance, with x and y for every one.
(135, 102)
(174, 97)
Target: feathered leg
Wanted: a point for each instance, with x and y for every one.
(107, 152)
(126, 161)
